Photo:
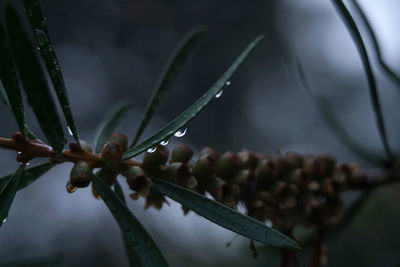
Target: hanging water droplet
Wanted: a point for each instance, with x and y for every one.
(69, 131)
(228, 83)
(70, 188)
(4, 221)
(180, 132)
(164, 142)
(27, 163)
(269, 223)
(152, 149)
(219, 94)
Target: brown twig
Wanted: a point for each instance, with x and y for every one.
(38, 149)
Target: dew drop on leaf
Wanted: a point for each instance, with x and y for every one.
(180, 132)
(4, 221)
(151, 149)
(219, 94)
(164, 142)
(69, 131)
(228, 83)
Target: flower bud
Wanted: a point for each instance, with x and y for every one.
(155, 159)
(266, 174)
(214, 155)
(81, 174)
(137, 180)
(204, 169)
(249, 160)
(120, 139)
(228, 166)
(155, 199)
(181, 153)
(82, 146)
(177, 172)
(111, 153)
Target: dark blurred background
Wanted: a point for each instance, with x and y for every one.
(115, 50)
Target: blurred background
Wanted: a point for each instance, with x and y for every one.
(115, 50)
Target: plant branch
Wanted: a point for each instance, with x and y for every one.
(38, 149)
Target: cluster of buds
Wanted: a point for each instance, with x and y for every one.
(286, 190)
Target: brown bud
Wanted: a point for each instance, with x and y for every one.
(137, 180)
(266, 174)
(294, 159)
(214, 155)
(120, 139)
(204, 168)
(111, 153)
(155, 159)
(81, 174)
(155, 199)
(177, 172)
(82, 146)
(228, 166)
(181, 153)
(249, 160)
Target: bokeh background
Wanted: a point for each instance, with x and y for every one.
(115, 50)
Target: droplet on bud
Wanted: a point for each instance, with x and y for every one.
(180, 132)
(70, 188)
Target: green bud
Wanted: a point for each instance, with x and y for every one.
(181, 153)
(228, 166)
(155, 159)
(249, 160)
(120, 139)
(81, 174)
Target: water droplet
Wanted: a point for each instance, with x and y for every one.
(27, 163)
(269, 223)
(152, 149)
(219, 94)
(70, 188)
(164, 142)
(228, 83)
(4, 221)
(69, 131)
(180, 132)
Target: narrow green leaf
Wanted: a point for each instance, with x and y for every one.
(136, 235)
(108, 126)
(8, 192)
(38, 24)
(184, 118)
(387, 70)
(134, 259)
(28, 176)
(326, 111)
(34, 80)
(173, 66)
(225, 216)
(3, 95)
(355, 33)
(9, 79)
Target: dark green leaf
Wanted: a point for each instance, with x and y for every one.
(134, 259)
(8, 192)
(136, 235)
(170, 70)
(109, 124)
(388, 71)
(28, 176)
(355, 33)
(38, 23)
(3, 95)
(183, 119)
(225, 216)
(9, 79)
(326, 111)
(34, 80)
